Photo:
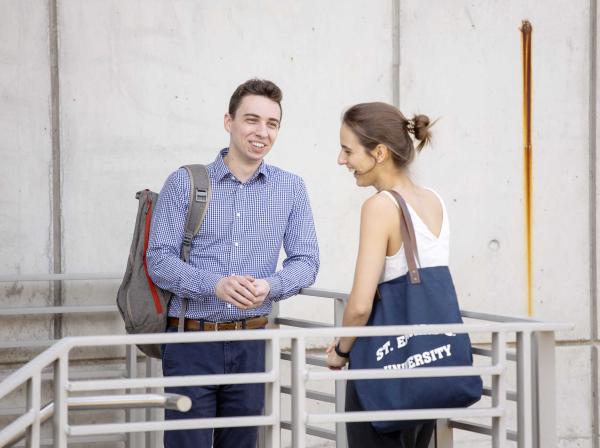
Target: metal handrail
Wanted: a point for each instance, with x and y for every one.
(534, 353)
(534, 396)
(59, 353)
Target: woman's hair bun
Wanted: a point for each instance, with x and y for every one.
(420, 125)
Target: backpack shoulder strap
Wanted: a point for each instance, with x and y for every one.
(199, 199)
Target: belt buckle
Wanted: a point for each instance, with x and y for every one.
(217, 326)
(239, 324)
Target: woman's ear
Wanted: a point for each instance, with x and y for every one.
(381, 152)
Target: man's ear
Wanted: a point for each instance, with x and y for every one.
(227, 122)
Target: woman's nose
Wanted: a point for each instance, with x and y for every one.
(341, 160)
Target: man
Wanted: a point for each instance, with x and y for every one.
(254, 209)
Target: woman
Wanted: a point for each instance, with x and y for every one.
(377, 147)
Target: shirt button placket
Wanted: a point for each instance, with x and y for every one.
(236, 231)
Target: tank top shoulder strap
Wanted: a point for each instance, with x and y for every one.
(444, 211)
(418, 222)
(439, 198)
(389, 195)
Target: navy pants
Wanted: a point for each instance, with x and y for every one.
(215, 401)
(363, 435)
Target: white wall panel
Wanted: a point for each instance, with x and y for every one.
(25, 162)
(145, 86)
(462, 63)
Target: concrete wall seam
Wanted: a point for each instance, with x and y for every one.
(396, 53)
(595, 413)
(56, 161)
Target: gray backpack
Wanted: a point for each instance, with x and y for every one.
(142, 304)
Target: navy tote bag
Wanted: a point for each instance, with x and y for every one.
(422, 296)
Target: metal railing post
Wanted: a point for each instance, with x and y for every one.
(524, 397)
(499, 389)
(271, 434)
(546, 389)
(134, 439)
(298, 392)
(262, 442)
(274, 314)
(61, 416)
(444, 437)
(153, 370)
(340, 385)
(34, 390)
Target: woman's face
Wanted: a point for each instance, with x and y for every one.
(356, 157)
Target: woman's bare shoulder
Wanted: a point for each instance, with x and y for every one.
(379, 203)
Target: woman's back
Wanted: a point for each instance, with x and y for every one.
(376, 146)
(432, 231)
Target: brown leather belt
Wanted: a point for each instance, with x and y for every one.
(251, 323)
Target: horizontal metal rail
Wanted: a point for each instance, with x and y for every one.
(44, 343)
(311, 394)
(301, 323)
(412, 414)
(422, 372)
(176, 402)
(64, 309)
(511, 395)
(63, 277)
(172, 381)
(313, 292)
(189, 337)
(496, 317)
(312, 430)
(310, 359)
(488, 353)
(171, 425)
(82, 440)
(324, 293)
(479, 429)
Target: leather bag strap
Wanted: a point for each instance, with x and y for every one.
(409, 239)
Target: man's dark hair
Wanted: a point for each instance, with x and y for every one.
(255, 86)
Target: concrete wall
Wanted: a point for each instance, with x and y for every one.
(26, 161)
(463, 64)
(143, 86)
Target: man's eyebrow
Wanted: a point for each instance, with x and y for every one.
(257, 116)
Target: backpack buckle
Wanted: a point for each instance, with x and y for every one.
(187, 238)
(201, 195)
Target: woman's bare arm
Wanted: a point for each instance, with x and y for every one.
(378, 217)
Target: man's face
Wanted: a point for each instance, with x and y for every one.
(254, 128)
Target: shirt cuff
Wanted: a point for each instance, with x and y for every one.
(194, 286)
(275, 290)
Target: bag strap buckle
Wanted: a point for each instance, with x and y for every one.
(187, 238)
(201, 195)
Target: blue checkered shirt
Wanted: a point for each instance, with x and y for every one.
(243, 231)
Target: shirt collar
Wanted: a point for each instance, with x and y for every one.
(221, 170)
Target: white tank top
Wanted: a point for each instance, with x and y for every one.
(433, 251)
